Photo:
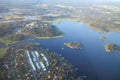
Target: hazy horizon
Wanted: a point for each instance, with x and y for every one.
(56, 1)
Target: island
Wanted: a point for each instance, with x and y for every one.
(73, 45)
(29, 61)
(103, 38)
(112, 48)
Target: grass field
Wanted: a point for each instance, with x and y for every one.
(2, 52)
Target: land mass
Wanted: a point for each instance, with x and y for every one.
(19, 31)
(41, 30)
(28, 61)
(103, 38)
(73, 45)
(102, 18)
(112, 48)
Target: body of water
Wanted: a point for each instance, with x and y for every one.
(91, 61)
(2, 45)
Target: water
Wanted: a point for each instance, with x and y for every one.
(91, 61)
(2, 45)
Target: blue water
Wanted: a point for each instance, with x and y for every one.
(91, 61)
(2, 45)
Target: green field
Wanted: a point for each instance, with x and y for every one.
(2, 52)
(117, 22)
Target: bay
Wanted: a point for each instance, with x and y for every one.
(91, 61)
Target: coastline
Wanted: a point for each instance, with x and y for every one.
(60, 36)
(97, 29)
(62, 19)
(13, 42)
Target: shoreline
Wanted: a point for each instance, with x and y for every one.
(13, 42)
(50, 37)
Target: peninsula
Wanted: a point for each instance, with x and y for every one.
(18, 31)
(42, 30)
(28, 61)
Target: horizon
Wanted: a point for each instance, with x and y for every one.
(57, 2)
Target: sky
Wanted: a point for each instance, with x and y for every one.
(56, 1)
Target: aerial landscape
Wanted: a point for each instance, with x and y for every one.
(59, 40)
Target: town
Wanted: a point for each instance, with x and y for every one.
(28, 62)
